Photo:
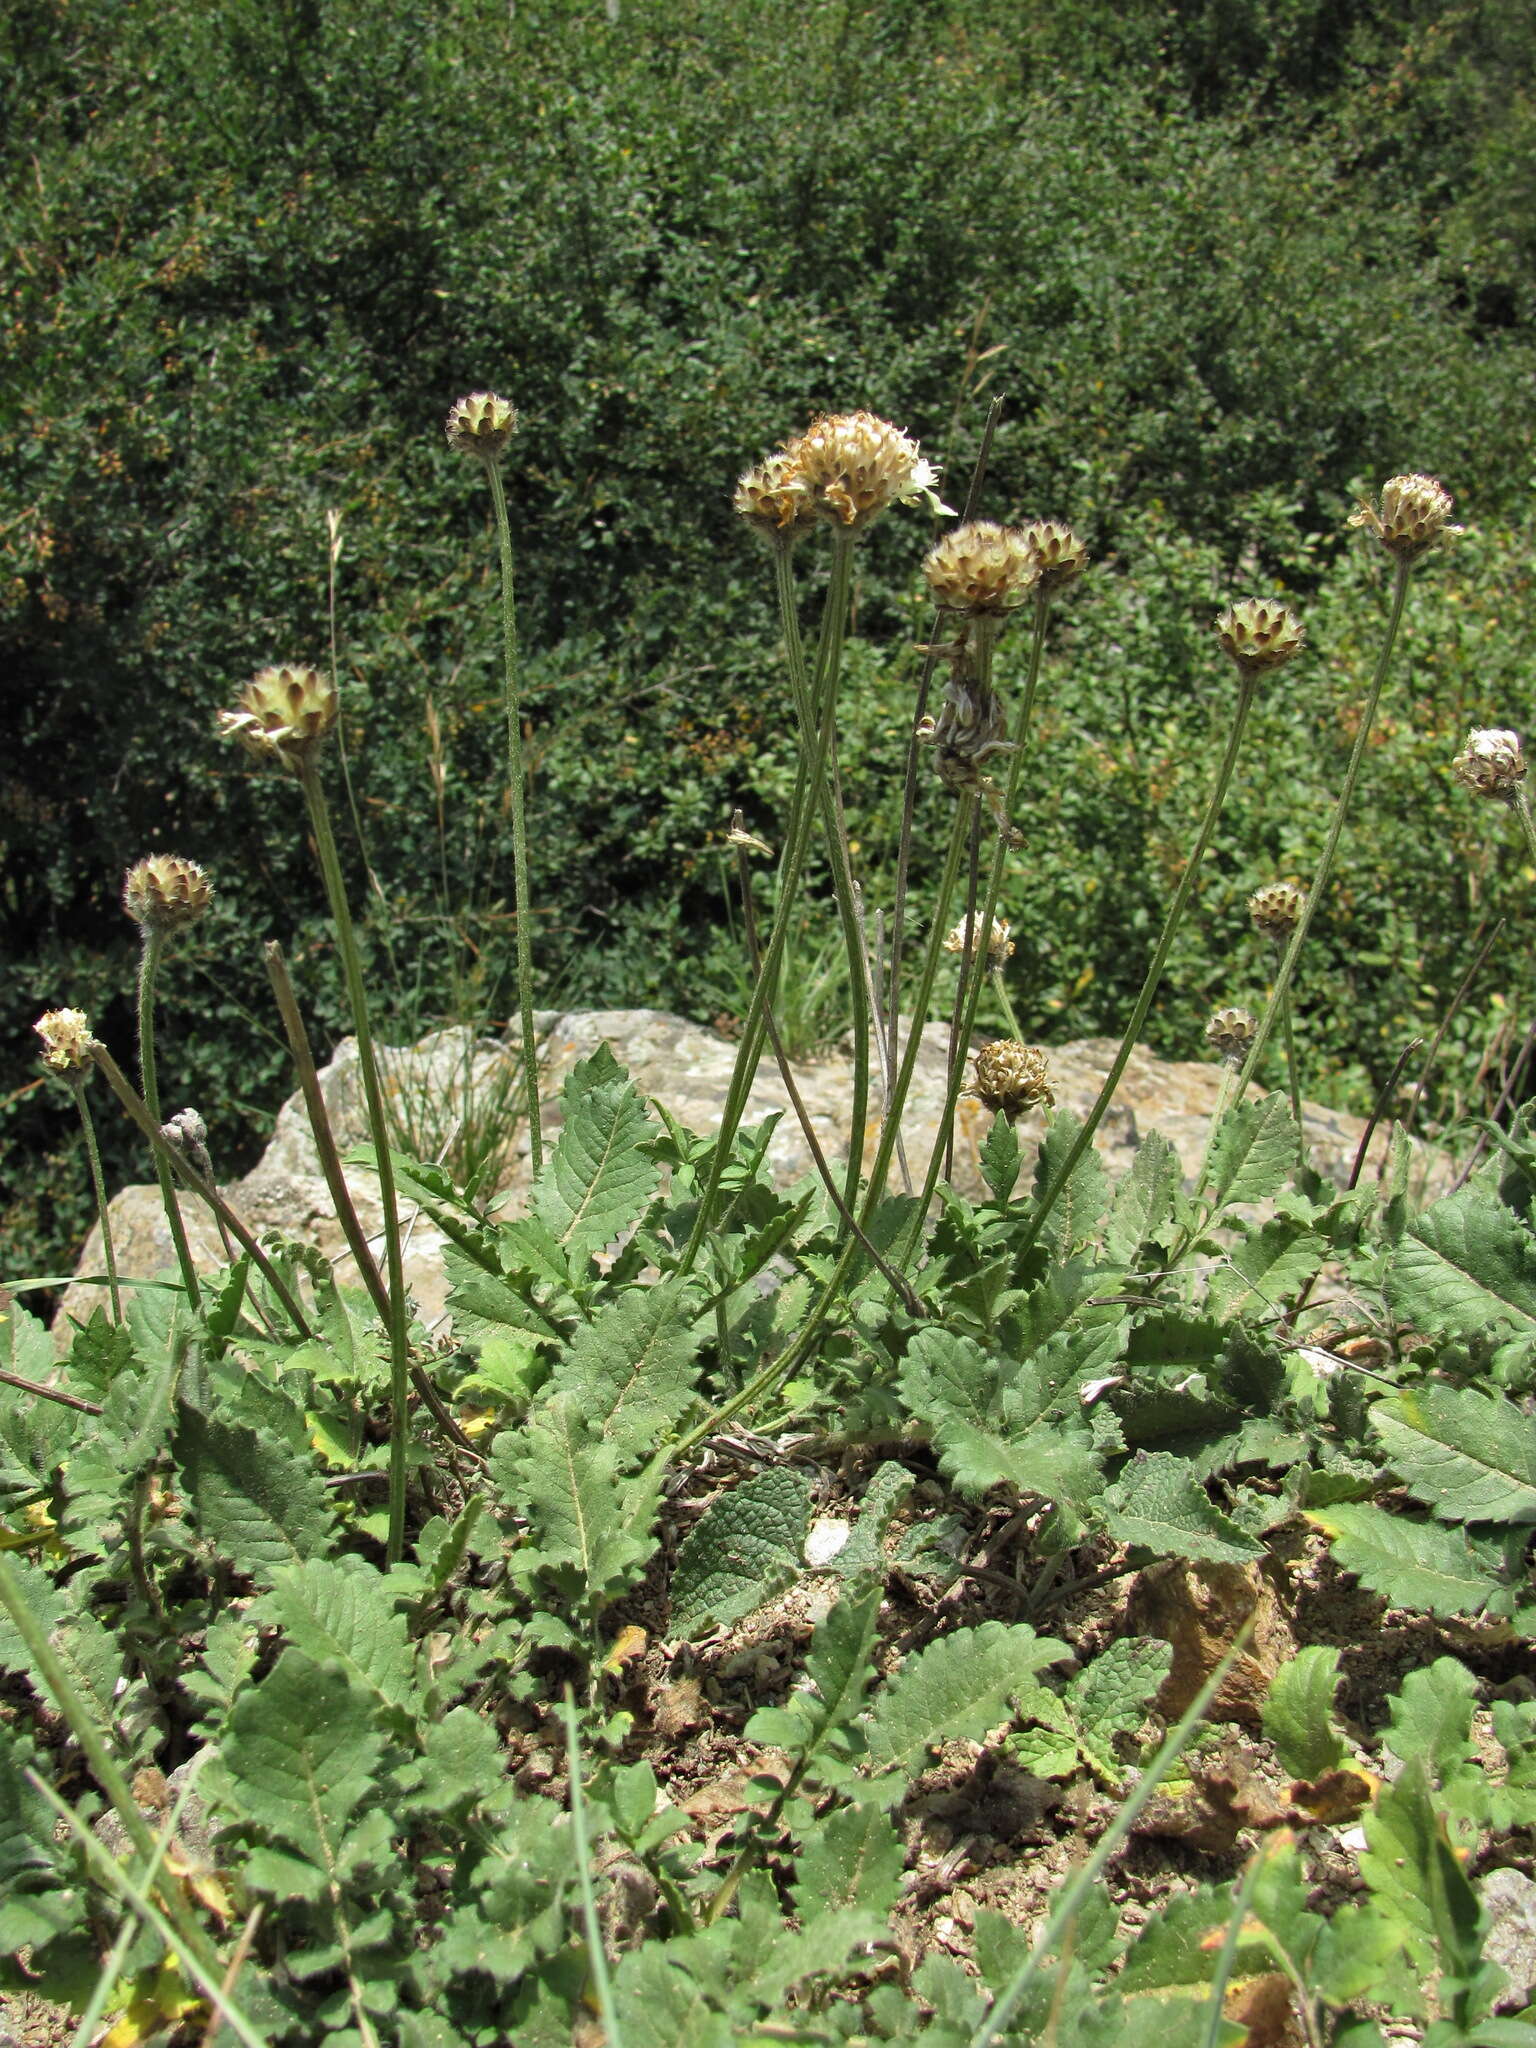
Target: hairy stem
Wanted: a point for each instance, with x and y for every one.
(149, 969)
(99, 1187)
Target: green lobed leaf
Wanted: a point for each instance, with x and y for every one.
(300, 1757)
(999, 1159)
(964, 1396)
(1298, 1712)
(1082, 1201)
(1111, 1696)
(253, 1499)
(1430, 1719)
(1159, 1505)
(1413, 1873)
(746, 1547)
(598, 1179)
(1411, 1564)
(663, 2003)
(1253, 1153)
(1463, 1267)
(854, 1857)
(1145, 1200)
(342, 1612)
(1266, 1268)
(1468, 1456)
(589, 1527)
(631, 1369)
(955, 1690)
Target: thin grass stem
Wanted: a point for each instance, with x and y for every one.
(149, 968)
(99, 1188)
(597, 1955)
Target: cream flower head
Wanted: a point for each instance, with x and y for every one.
(857, 464)
(66, 1036)
(1491, 764)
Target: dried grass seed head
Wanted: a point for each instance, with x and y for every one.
(982, 568)
(1061, 556)
(1000, 946)
(1012, 1078)
(1259, 636)
(66, 1036)
(857, 464)
(1415, 512)
(775, 497)
(1231, 1032)
(1276, 909)
(1491, 764)
(481, 425)
(284, 713)
(165, 893)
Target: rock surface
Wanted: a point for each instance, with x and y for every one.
(452, 1085)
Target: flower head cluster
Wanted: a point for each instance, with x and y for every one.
(982, 569)
(1415, 512)
(66, 1036)
(849, 466)
(1000, 947)
(165, 893)
(481, 425)
(1276, 909)
(1259, 636)
(283, 713)
(1061, 556)
(774, 497)
(1231, 1032)
(1011, 1078)
(1492, 764)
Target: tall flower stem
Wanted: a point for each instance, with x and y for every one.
(368, 1066)
(516, 784)
(149, 968)
(1292, 1067)
(1521, 804)
(99, 1186)
(1154, 974)
(1314, 894)
(811, 778)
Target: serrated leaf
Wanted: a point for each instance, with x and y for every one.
(29, 1854)
(1078, 1208)
(598, 1179)
(343, 1613)
(631, 1369)
(252, 1498)
(1469, 1457)
(1159, 1505)
(1266, 1268)
(962, 1393)
(1253, 1153)
(955, 1690)
(1411, 1564)
(853, 1858)
(301, 1757)
(1430, 1719)
(662, 2003)
(1466, 1265)
(1298, 1712)
(864, 1551)
(999, 1159)
(744, 1548)
(590, 1528)
(838, 1667)
(1145, 1199)
(1411, 1867)
(1111, 1696)
(824, 1948)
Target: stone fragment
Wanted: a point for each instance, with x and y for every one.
(1199, 1606)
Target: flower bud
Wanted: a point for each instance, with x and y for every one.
(165, 893)
(982, 568)
(1231, 1032)
(856, 465)
(66, 1036)
(1415, 512)
(1492, 763)
(481, 425)
(1000, 947)
(1259, 636)
(285, 711)
(1011, 1078)
(1061, 555)
(187, 1134)
(775, 498)
(1276, 909)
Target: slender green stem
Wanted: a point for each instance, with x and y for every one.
(368, 1066)
(98, 1184)
(1292, 1068)
(516, 783)
(149, 968)
(597, 1955)
(1341, 810)
(1521, 805)
(1154, 975)
(1000, 989)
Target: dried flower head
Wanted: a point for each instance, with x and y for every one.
(1492, 763)
(856, 465)
(165, 893)
(1276, 909)
(66, 1036)
(982, 567)
(284, 711)
(1060, 554)
(1000, 947)
(481, 425)
(1415, 512)
(1259, 636)
(774, 496)
(1231, 1032)
(187, 1134)
(1012, 1078)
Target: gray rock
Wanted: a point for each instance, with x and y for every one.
(453, 1082)
(1510, 1899)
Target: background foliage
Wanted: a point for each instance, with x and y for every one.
(1229, 260)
